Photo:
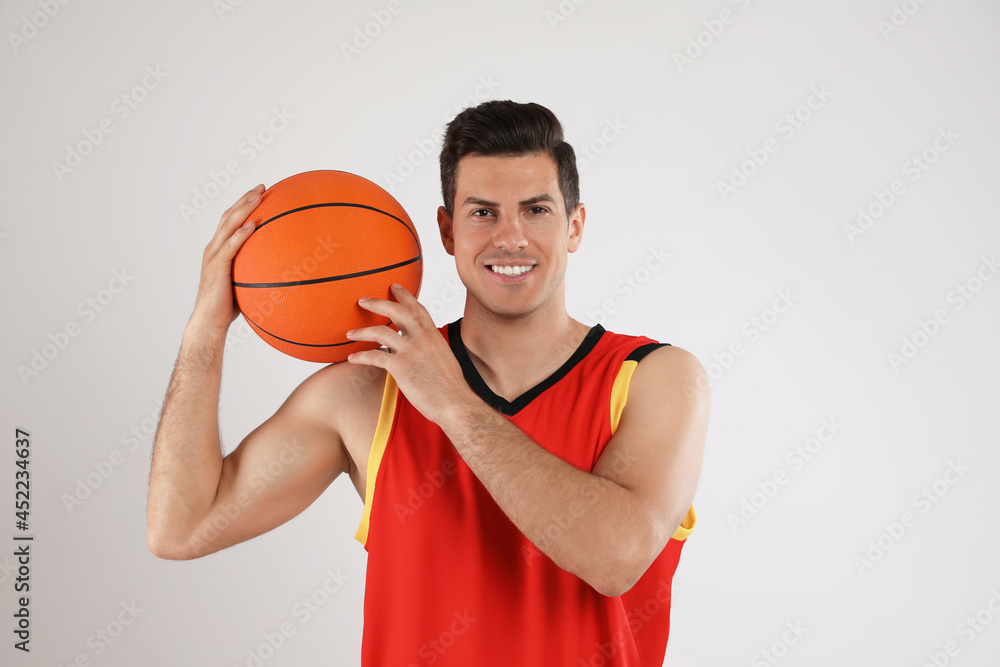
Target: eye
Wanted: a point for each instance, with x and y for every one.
(537, 210)
(481, 212)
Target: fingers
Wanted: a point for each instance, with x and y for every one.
(412, 316)
(233, 219)
(405, 312)
(248, 197)
(402, 294)
(232, 245)
(369, 358)
(382, 335)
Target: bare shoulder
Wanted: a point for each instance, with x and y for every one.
(672, 373)
(347, 397)
(343, 386)
(663, 428)
(674, 356)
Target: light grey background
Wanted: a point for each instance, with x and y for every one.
(661, 134)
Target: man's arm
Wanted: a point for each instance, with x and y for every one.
(614, 521)
(640, 488)
(200, 502)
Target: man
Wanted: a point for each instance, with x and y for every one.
(527, 481)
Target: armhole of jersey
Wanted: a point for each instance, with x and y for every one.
(619, 396)
(382, 429)
(619, 390)
(687, 525)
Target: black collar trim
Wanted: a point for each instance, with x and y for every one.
(478, 384)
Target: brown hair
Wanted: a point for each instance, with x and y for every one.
(502, 127)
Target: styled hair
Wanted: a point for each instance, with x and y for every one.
(503, 127)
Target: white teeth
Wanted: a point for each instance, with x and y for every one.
(511, 270)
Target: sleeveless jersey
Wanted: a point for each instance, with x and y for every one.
(452, 581)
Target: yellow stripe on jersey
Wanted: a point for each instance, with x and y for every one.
(385, 415)
(619, 392)
(687, 525)
(619, 397)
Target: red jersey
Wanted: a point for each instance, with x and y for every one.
(452, 581)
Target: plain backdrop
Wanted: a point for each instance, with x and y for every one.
(821, 176)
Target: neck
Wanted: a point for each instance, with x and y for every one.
(514, 353)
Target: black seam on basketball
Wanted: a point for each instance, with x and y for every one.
(370, 208)
(345, 276)
(292, 342)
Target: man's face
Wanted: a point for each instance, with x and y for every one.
(509, 232)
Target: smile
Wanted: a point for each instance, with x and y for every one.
(512, 270)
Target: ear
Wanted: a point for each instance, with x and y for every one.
(575, 230)
(447, 232)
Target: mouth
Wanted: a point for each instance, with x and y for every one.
(510, 273)
(510, 269)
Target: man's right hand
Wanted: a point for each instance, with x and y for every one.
(215, 308)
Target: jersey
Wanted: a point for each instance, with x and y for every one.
(452, 581)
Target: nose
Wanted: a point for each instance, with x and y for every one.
(509, 233)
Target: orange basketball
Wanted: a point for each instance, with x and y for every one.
(323, 239)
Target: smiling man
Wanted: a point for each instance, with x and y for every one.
(527, 479)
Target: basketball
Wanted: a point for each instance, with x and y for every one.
(323, 239)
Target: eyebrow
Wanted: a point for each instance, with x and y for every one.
(527, 202)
